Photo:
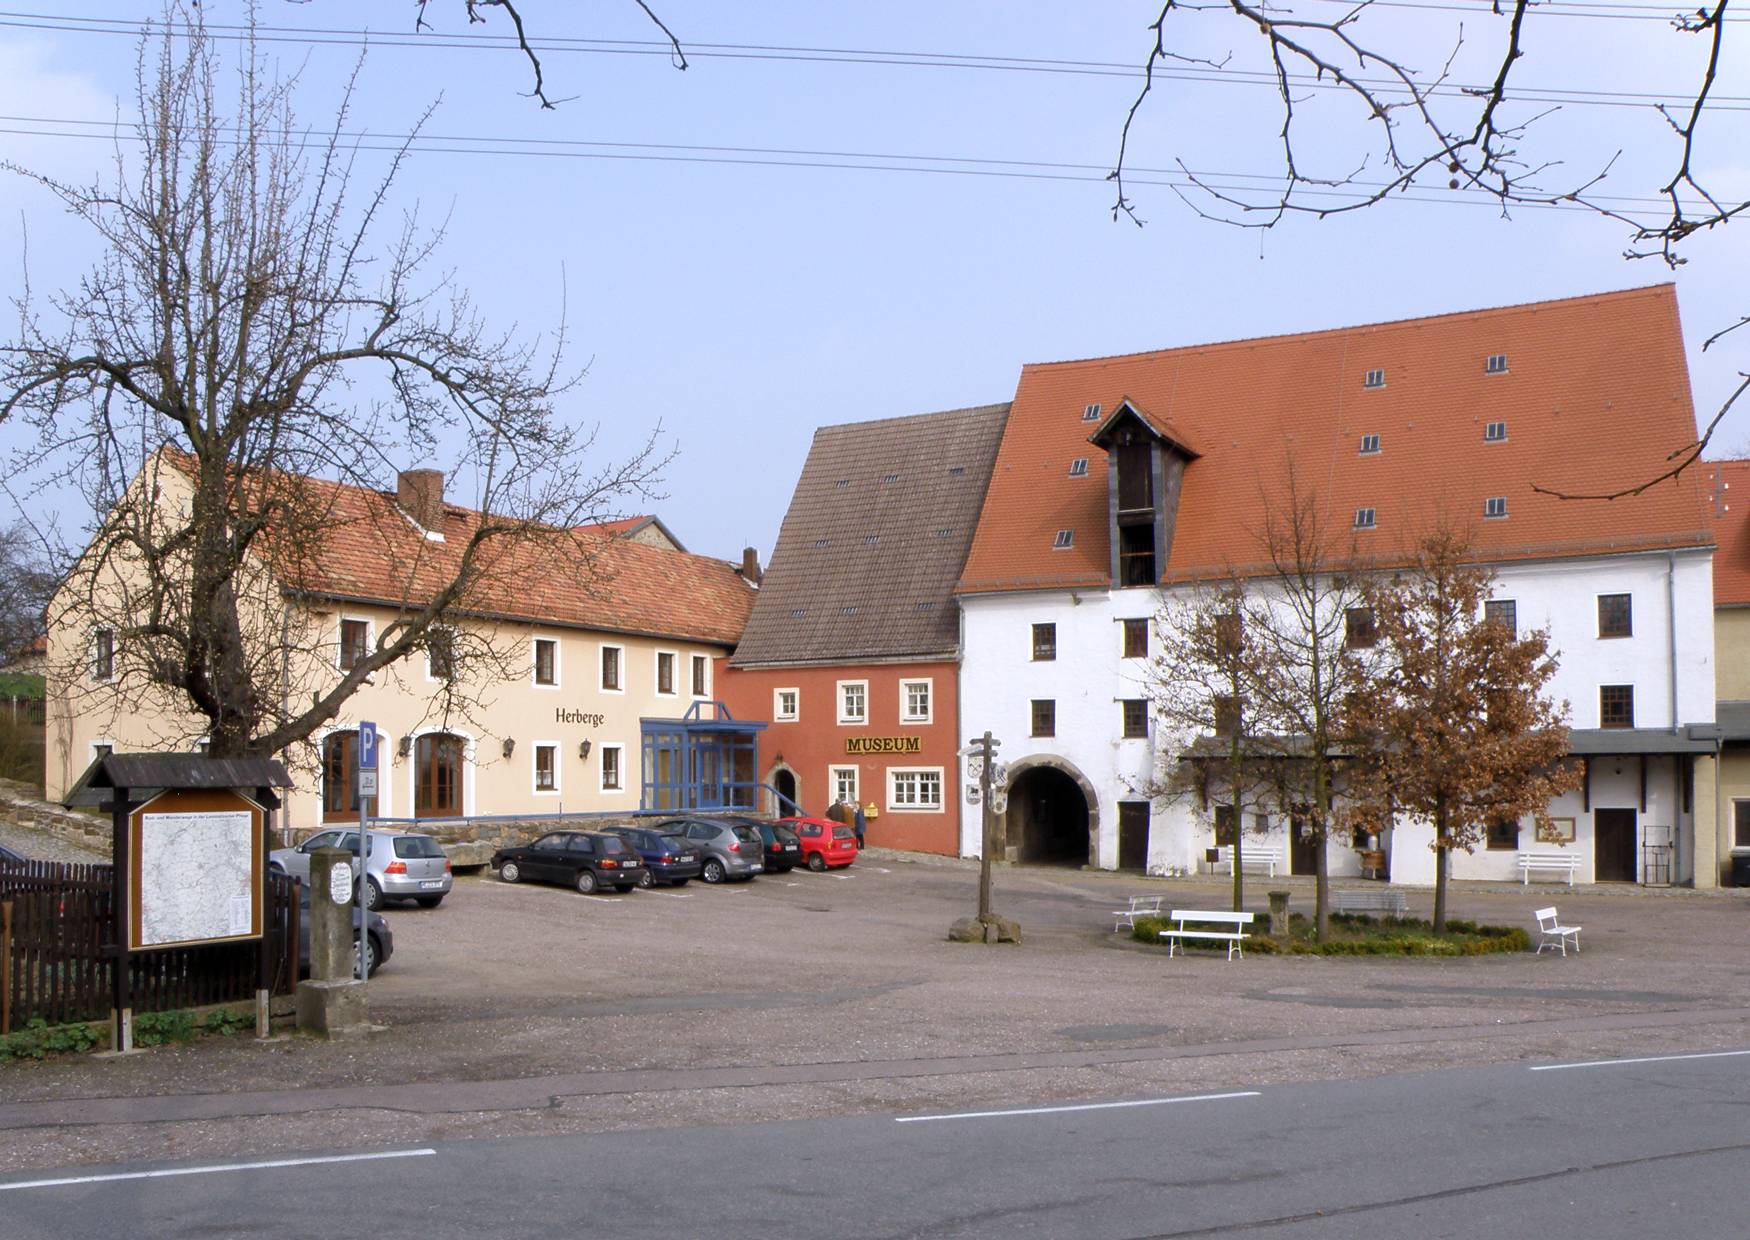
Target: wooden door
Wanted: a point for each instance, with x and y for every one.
(1613, 845)
(438, 776)
(1303, 850)
(340, 752)
(1133, 835)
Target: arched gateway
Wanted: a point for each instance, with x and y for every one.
(1053, 816)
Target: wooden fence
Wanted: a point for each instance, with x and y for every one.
(57, 960)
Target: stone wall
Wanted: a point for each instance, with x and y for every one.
(18, 808)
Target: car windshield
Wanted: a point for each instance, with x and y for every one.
(417, 846)
(747, 835)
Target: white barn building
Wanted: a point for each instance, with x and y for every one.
(1122, 479)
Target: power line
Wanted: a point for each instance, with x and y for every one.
(851, 161)
(343, 37)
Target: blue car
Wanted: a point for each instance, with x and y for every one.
(670, 859)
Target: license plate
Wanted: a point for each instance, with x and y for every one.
(789, 848)
(430, 884)
(690, 857)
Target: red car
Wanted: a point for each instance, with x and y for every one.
(825, 844)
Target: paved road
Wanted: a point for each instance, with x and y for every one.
(1589, 1151)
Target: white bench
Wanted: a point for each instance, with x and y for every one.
(1232, 935)
(1390, 902)
(1140, 906)
(1253, 859)
(1561, 863)
(1554, 933)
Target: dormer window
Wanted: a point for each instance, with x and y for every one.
(1064, 541)
(1078, 468)
(1091, 413)
(1495, 507)
(1373, 379)
(1364, 519)
(1370, 445)
(1495, 364)
(1495, 432)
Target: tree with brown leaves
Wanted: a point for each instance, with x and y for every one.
(1468, 736)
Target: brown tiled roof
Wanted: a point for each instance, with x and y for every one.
(1729, 490)
(1596, 396)
(874, 540)
(370, 551)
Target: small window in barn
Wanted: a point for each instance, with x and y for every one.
(1078, 468)
(1365, 519)
(1495, 432)
(1064, 541)
(1370, 445)
(1373, 379)
(1496, 364)
(1091, 413)
(1495, 507)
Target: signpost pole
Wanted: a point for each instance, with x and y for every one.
(366, 783)
(987, 749)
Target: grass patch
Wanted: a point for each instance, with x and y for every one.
(1357, 934)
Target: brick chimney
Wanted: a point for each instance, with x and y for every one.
(420, 492)
(750, 565)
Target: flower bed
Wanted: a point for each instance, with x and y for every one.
(1356, 934)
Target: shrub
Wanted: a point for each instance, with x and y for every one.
(38, 1038)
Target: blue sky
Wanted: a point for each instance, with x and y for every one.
(744, 304)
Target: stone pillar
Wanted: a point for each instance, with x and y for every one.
(1279, 914)
(331, 1002)
(1711, 850)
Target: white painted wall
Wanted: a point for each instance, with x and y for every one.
(1087, 680)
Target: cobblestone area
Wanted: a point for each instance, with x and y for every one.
(41, 846)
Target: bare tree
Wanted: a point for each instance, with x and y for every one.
(227, 386)
(26, 582)
(1406, 128)
(1201, 681)
(1469, 737)
(1310, 626)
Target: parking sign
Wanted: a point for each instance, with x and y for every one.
(367, 772)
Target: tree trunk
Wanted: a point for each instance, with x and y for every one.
(1233, 779)
(1441, 855)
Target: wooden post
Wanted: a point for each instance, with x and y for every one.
(264, 978)
(5, 968)
(122, 1012)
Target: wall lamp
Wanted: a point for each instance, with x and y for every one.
(405, 746)
(509, 746)
(583, 751)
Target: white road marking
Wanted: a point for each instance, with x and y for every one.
(1613, 1063)
(792, 884)
(606, 899)
(841, 877)
(1086, 1106)
(251, 1166)
(881, 870)
(671, 895)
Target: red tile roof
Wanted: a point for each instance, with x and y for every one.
(1595, 396)
(585, 578)
(1729, 487)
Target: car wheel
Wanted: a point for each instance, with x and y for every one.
(644, 880)
(373, 895)
(680, 882)
(430, 901)
(713, 872)
(585, 881)
(369, 946)
(816, 862)
(509, 872)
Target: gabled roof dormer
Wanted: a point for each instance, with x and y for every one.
(1146, 459)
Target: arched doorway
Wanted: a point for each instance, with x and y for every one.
(784, 780)
(1048, 817)
(340, 800)
(437, 775)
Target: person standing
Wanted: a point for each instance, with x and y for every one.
(859, 824)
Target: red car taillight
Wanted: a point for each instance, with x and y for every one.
(395, 867)
(446, 865)
(734, 846)
(665, 858)
(609, 863)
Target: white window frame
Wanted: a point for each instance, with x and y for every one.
(929, 684)
(674, 680)
(848, 720)
(558, 665)
(438, 680)
(894, 805)
(602, 749)
(600, 682)
(832, 781)
(692, 663)
(779, 715)
(340, 637)
(535, 748)
(95, 742)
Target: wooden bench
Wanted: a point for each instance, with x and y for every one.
(1391, 903)
(1554, 933)
(1562, 863)
(1140, 906)
(1253, 860)
(1232, 935)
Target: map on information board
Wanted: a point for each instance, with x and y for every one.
(196, 877)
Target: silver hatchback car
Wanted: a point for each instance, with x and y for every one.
(399, 865)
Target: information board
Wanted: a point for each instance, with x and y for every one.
(196, 871)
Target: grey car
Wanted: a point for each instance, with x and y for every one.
(399, 865)
(727, 849)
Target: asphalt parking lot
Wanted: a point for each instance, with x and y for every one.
(530, 1008)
